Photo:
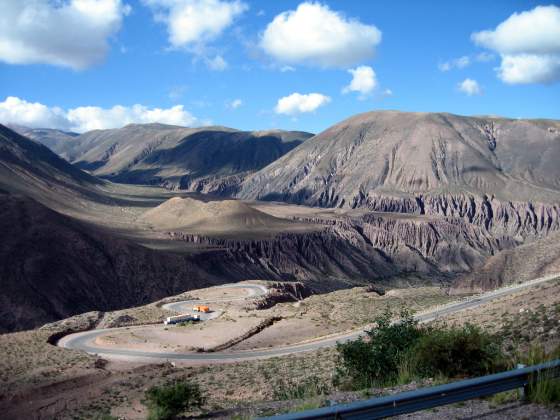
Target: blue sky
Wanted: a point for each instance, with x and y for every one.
(415, 57)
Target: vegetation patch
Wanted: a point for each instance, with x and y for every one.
(167, 401)
(397, 352)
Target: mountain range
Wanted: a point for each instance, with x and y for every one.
(208, 159)
(126, 216)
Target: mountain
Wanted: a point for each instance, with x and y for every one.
(32, 169)
(499, 173)
(208, 159)
(59, 141)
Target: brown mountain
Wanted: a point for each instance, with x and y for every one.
(499, 173)
(208, 159)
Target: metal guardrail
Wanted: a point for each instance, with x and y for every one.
(424, 398)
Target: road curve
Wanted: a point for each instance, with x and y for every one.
(82, 340)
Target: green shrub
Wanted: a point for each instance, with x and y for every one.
(457, 352)
(166, 402)
(375, 359)
(398, 352)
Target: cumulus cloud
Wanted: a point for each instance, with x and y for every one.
(18, 111)
(71, 34)
(195, 22)
(316, 35)
(31, 114)
(296, 103)
(470, 87)
(363, 81)
(457, 63)
(529, 45)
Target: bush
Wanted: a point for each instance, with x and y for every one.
(399, 352)
(166, 402)
(375, 359)
(453, 352)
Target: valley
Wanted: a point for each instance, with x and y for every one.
(94, 264)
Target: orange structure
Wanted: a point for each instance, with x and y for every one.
(201, 308)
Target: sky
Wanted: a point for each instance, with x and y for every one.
(79, 65)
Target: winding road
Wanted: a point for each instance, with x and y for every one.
(83, 341)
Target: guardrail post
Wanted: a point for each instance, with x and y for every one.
(524, 393)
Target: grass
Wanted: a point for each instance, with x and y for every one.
(289, 389)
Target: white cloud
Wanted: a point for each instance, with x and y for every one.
(18, 111)
(363, 81)
(32, 114)
(71, 34)
(87, 118)
(529, 45)
(457, 63)
(192, 23)
(296, 103)
(470, 87)
(236, 103)
(217, 63)
(316, 35)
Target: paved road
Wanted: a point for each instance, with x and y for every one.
(83, 340)
(185, 306)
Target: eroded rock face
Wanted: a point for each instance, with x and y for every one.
(526, 219)
(281, 292)
(373, 247)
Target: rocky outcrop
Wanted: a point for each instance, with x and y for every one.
(281, 292)
(324, 259)
(498, 217)
(373, 247)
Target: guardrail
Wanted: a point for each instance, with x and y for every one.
(424, 398)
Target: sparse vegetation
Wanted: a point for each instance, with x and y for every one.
(290, 389)
(167, 401)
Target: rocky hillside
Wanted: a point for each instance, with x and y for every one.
(490, 171)
(525, 262)
(208, 159)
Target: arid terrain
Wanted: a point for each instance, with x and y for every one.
(336, 228)
(68, 383)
